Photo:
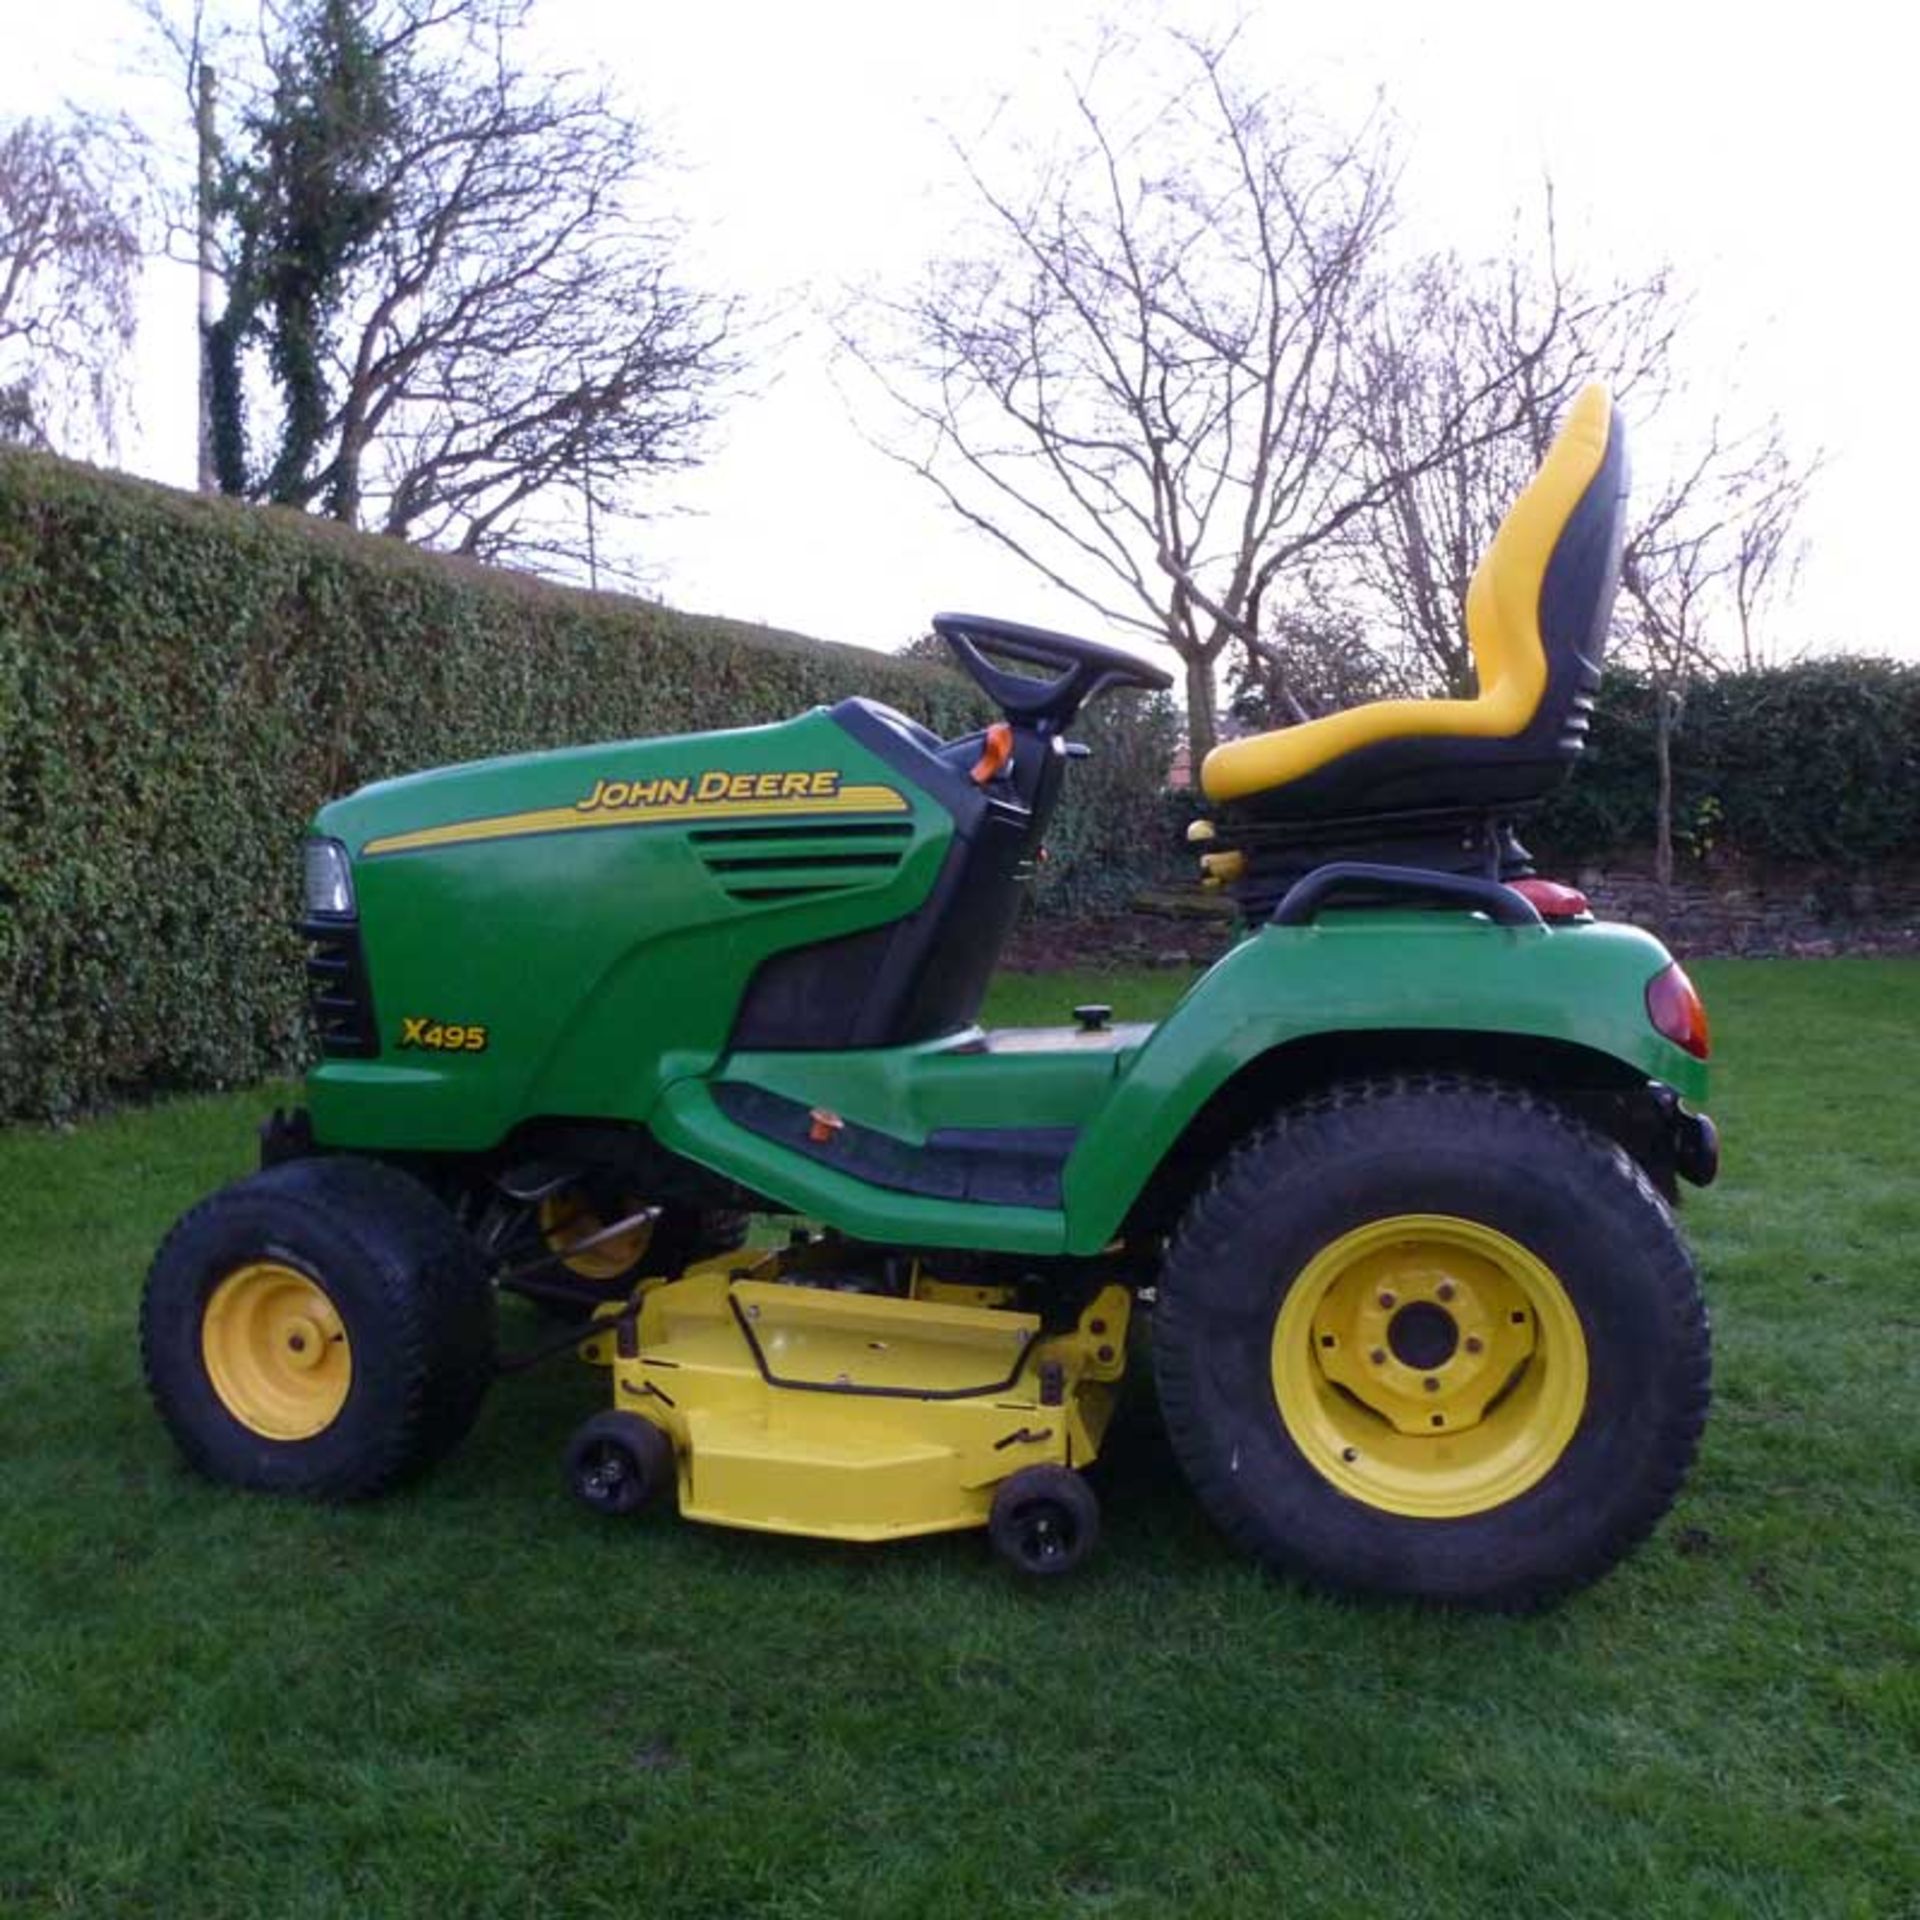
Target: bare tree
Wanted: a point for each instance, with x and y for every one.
(69, 264)
(1768, 547)
(1138, 382)
(1131, 384)
(1702, 563)
(449, 315)
(1318, 654)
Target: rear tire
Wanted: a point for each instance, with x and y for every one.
(323, 1328)
(1433, 1339)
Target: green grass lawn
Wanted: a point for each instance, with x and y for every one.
(476, 1699)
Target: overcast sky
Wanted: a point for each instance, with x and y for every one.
(1769, 155)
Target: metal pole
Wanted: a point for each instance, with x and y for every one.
(209, 273)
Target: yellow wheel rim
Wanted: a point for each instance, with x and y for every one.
(567, 1218)
(276, 1351)
(1429, 1366)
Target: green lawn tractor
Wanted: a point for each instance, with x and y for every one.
(1388, 1195)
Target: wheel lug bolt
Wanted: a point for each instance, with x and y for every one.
(1473, 1343)
(1378, 1356)
(1445, 1289)
(1349, 1454)
(1431, 1384)
(1387, 1299)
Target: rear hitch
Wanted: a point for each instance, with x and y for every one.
(1693, 1139)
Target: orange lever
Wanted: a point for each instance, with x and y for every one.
(994, 754)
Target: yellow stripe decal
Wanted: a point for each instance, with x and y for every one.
(514, 826)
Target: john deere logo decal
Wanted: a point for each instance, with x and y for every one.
(665, 800)
(678, 790)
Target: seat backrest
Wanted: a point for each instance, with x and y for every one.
(1542, 596)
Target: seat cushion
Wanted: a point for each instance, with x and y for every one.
(1536, 618)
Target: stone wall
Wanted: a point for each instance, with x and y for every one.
(1734, 906)
(1725, 906)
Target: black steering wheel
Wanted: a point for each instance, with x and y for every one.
(1085, 668)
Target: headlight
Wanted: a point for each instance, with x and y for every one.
(329, 879)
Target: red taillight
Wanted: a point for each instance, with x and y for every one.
(1676, 1010)
(1552, 899)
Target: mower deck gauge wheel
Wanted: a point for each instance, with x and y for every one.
(619, 1464)
(1045, 1520)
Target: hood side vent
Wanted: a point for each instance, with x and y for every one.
(764, 864)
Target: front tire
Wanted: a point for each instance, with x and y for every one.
(322, 1328)
(1433, 1339)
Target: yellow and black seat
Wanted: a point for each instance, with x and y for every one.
(1537, 614)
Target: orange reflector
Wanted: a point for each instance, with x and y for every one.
(1677, 1011)
(994, 753)
(822, 1124)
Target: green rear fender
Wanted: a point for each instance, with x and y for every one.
(1365, 974)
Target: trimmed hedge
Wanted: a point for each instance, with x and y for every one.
(1815, 762)
(183, 680)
